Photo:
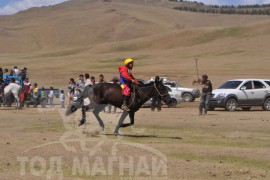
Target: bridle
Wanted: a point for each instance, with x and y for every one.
(161, 95)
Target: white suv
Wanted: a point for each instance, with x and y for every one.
(244, 93)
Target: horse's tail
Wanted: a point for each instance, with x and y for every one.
(7, 91)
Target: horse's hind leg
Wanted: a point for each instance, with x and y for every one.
(120, 122)
(131, 116)
(96, 112)
(17, 102)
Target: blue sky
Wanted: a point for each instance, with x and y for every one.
(233, 2)
(13, 6)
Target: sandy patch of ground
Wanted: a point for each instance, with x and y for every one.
(220, 145)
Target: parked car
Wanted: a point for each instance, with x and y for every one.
(188, 94)
(175, 95)
(244, 93)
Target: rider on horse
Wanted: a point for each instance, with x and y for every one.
(126, 78)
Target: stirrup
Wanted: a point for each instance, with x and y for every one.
(125, 108)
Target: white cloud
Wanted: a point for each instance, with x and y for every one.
(233, 2)
(20, 5)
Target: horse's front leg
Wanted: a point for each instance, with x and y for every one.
(96, 112)
(120, 122)
(131, 117)
(83, 120)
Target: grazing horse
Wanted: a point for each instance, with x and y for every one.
(103, 94)
(14, 89)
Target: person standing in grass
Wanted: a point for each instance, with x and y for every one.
(35, 94)
(51, 96)
(156, 101)
(87, 81)
(43, 97)
(93, 80)
(81, 82)
(62, 99)
(27, 90)
(206, 94)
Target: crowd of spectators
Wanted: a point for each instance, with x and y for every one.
(76, 88)
(30, 92)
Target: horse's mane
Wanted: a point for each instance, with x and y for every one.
(146, 85)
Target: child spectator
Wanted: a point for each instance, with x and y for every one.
(77, 91)
(35, 94)
(25, 72)
(51, 96)
(93, 80)
(43, 97)
(6, 77)
(11, 72)
(62, 99)
(27, 90)
(71, 89)
(101, 79)
(81, 82)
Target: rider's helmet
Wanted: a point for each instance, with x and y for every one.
(128, 60)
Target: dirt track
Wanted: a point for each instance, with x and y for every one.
(220, 145)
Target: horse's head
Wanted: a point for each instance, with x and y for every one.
(74, 106)
(162, 92)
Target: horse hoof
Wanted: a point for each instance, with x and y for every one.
(81, 122)
(116, 134)
(73, 109)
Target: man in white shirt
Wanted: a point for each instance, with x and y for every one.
(87, 80)
(16, 71)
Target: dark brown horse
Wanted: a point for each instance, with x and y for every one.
(103, 94)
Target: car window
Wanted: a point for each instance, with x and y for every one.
(169, 89)
(248, 85)
(267, 82)
(169, 84)
(258, 85)
(230, 85)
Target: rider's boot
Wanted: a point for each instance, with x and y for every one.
(124, 105)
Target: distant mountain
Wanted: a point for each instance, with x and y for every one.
(92, 23)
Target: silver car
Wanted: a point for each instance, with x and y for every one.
(244, 93)
(188, 94)
(175, 94)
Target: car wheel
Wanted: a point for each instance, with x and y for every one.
(231, 104)
(266, 105)
(173, 103)
(187, 97)
(246, 108)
